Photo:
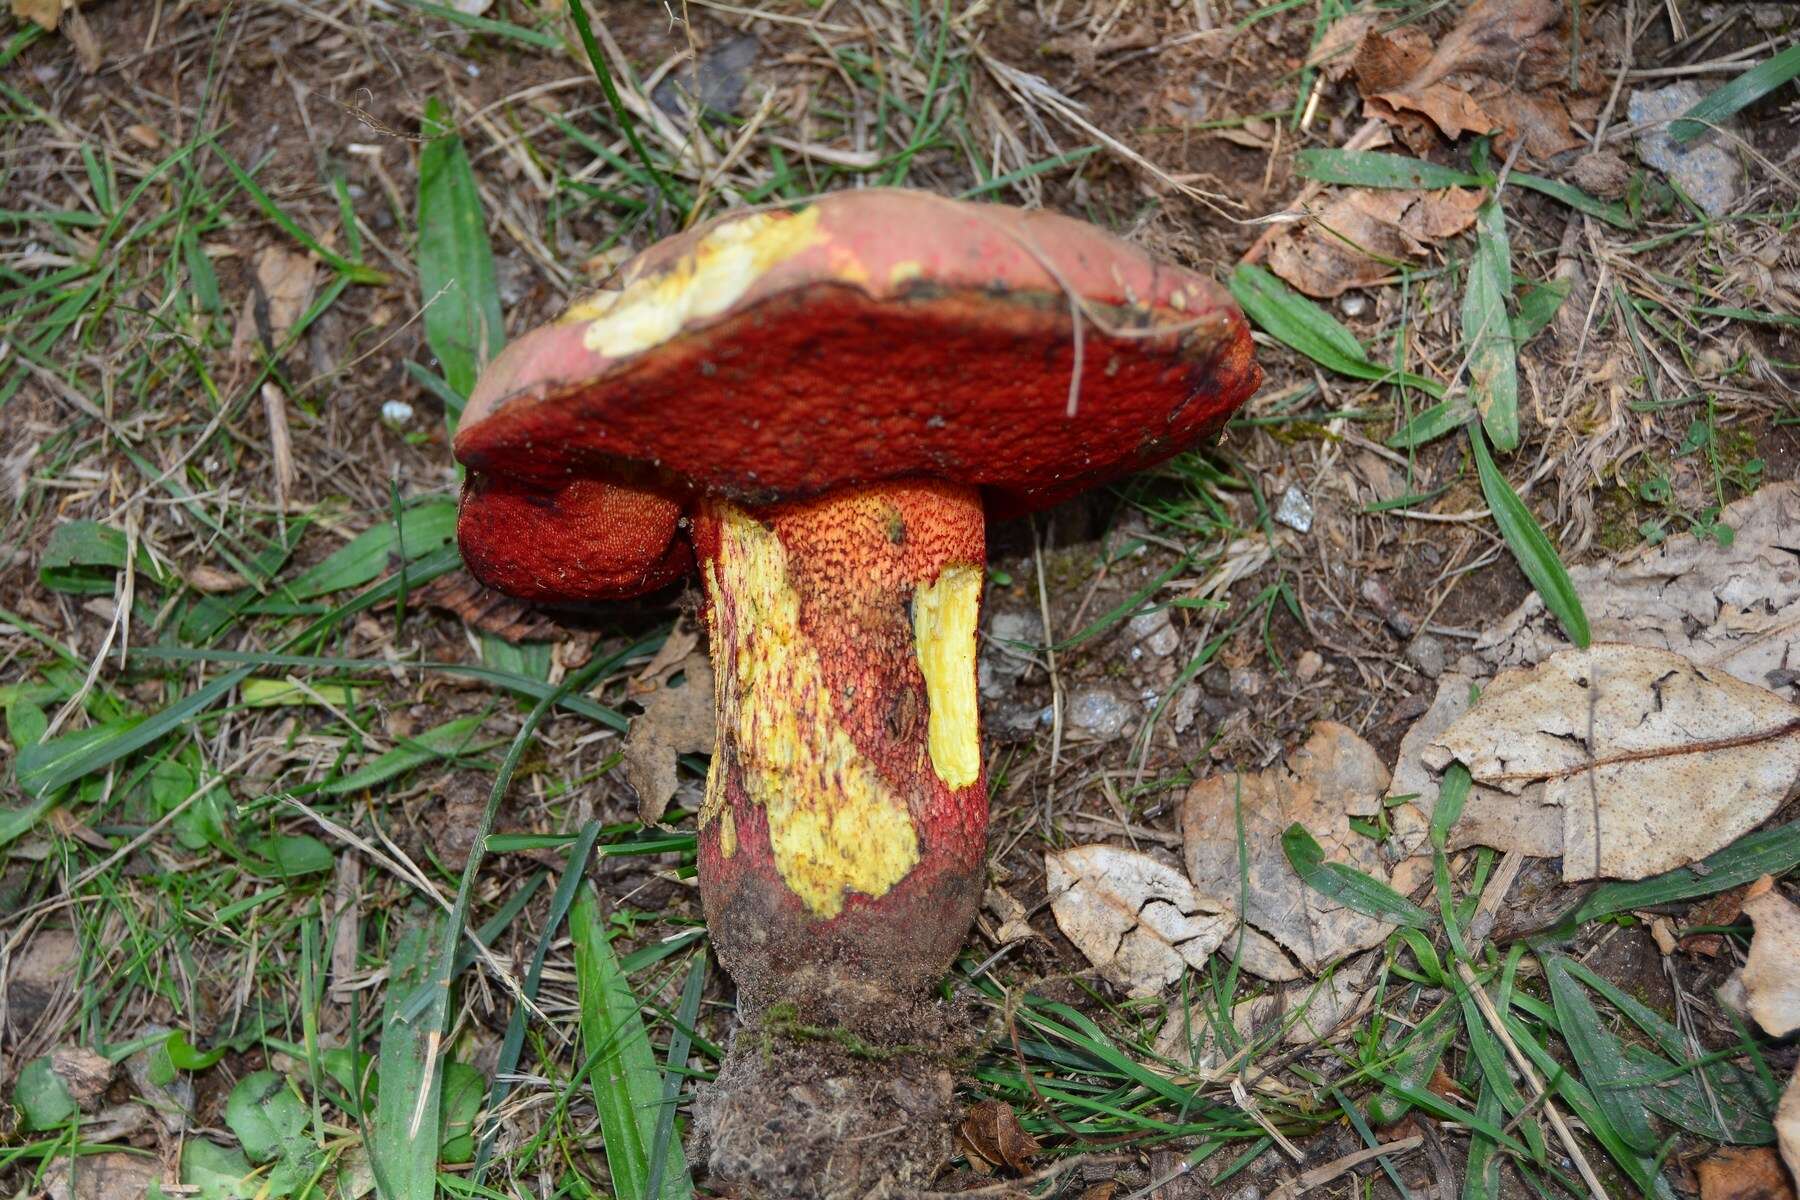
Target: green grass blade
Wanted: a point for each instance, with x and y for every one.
(628, 1088)
(680, 1038)
(1722, 103)
(1370, 168)
(463, 324)
(1432, 424)
(1599, 1056)
(405, 1145)
(596, 59)
(1348, 886)
(505, 29)
(1529, 545)
(1487, 330)
(514, 1041)
(1766, 852)
(46, 766)
(441, 741)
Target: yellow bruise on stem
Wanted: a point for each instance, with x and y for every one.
(709, 280)
(945, 612)
(834, 825)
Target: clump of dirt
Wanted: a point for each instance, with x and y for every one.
(860, 1109)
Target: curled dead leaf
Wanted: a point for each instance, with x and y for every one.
(1653, 762)
(678, 718)
(1365, 234)
(1772, 972)
(1743, 1173)
(1140, 922)
(992, 1133)
(1333, 777)
(1787, 1124)
(213, 580)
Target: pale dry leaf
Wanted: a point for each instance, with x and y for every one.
(1362, 233)
(670, 655)
(1733, 607)
(39, 975)
(1744, 1173)
(1134, 918)
(214, 580)
(46, 14)
(83, 1073)
(1659, 760)
(1335, 55)
(1787, 1124)
(114, 1175)
(676, 720)
(1333, 777)
(1490, 817)
(283, 289)
(992, 1131)
(1772, 970)
(1015, 921)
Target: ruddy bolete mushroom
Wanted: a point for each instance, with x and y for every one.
(819, 407)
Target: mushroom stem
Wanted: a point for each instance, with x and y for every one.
(843, 834)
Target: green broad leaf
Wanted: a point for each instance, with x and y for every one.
(350, 1071)
(1765, 852)
(532, 659)
(41, 1097)
(442, 741)
(1487, 330)
(183, 1056)
(1348, 886)
(82, 557)
(281, 693)
(1529, 545)
(292, 854)
(628, 1087)
(265, 1114)
(461, 1104)
(1371, 168)
(406, 1134)
(1612, 213)
(1599, 1055)
(1301, 325)
(1433, 423)
(1723, 103)
(424, 527)
(216, 1172)
(463, 323)
(1538, 305)
(1725, 1108)
(48, 765)
(1453, 794)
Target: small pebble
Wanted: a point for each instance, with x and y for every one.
(397, 412)
(1706, 168)
(1353, 304)
(1428, 654)
(1308, 666)
(1295, 510)
(1098, 712)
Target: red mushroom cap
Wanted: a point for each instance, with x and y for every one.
(870, 335)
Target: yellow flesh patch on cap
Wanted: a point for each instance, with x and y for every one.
(834, 825)
(705, 283)
(944, 615)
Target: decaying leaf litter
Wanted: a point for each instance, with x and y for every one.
(1641, 406)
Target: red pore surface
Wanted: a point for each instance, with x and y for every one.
(589, 539)
(908, 335)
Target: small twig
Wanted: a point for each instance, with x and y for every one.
(1324, 1173)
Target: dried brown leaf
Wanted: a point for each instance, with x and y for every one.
(1655, 762)
(1733, 607)
(1787, 1124)
(484, 609)
(992, 1131)
(213, 580)
(677, 720)
(113, 1175)
(1772, 972)
(1139, 921)
(1333, 777)
(83, 1072)
(45, 13)
(1358, 237)
(1744, 1173)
